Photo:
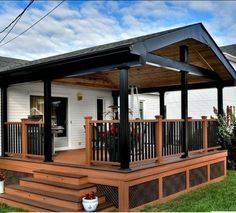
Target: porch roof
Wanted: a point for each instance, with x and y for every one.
(153, 60)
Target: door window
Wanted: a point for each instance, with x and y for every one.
(59, 111)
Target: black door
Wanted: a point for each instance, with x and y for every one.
(59, 114)
(99, 109)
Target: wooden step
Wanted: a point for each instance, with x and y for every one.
(62, 188)
(61, 177)
(105, 207)
(31, 205)
(63, 200)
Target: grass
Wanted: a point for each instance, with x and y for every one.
(5, 208)
(219, 196)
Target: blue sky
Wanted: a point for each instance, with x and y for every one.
(80, 24)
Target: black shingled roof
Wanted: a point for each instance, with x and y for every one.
(230, 49)
(6, 62)
(94, 50)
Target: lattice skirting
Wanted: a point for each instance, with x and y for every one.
(145, 192)
(111, 193)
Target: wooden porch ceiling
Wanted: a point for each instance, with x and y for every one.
(148, 76)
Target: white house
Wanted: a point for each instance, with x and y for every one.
(72, 103)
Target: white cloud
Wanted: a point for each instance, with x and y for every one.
(85, 24)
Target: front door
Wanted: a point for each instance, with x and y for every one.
(100, 109)
(59, 118)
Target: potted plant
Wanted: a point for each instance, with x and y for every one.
(2, 179)
(90, 202)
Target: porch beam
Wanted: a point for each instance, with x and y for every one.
(47, 121)
(220, 100)
(75, 66)
(168, 63)
(4, 112)
(124, 120)
(184, 100)
(207, 85)
(162, 104)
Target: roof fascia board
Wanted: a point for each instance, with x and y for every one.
(172, 64)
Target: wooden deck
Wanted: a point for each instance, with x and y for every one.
(159, 181)
(76, 156)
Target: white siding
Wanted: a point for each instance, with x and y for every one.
(151, 105)
(19, 106)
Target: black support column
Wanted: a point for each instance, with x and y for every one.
(47, 121)
(162, 104)
(4, 147)
(184, 100)
(124, 120)
(220, 100)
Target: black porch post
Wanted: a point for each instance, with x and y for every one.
(162, 104)
(124, 120)
(47, 122)
(184, 100)
(4, 147)
(220, 100)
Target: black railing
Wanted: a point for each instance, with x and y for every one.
(195, 135)
(35, 139)
(212, 136)
(14, 141)
(172, 132)
(105, 141)
(142, 140)
(105, 137)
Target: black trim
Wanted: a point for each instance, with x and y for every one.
(4, 104)
(47, 121)
(162, 104)
(220, 100)
(124, 120)
(184, 99)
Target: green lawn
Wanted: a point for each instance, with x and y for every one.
(219, 196)
(4, 209)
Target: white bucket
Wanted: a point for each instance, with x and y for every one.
(1, 187)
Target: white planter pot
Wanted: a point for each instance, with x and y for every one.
(90, 205)
(1, 187)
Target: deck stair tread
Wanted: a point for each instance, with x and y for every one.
(59, 196)
(104, 206)
(34, 203)
(64, 174)
(58, 184)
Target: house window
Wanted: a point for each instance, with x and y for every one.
(36, 105)
(141, 109)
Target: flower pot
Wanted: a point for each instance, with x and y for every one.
(2, 187)
(90, 205)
